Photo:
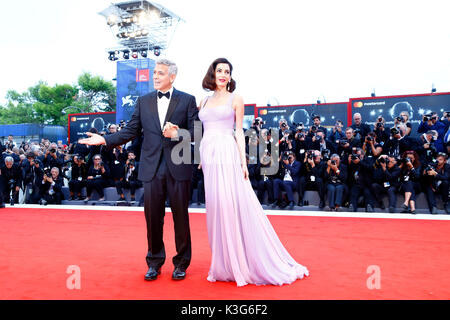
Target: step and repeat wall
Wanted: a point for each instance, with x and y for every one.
(390, 107)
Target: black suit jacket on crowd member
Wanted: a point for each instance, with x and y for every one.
(15, 173)
(365, 129)
(182, 112)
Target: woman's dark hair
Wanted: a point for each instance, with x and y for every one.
(209, 82)
(416, 162)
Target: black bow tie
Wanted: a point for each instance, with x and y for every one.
(167, 94)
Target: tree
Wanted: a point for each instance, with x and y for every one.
(43, 104)
(96, 93)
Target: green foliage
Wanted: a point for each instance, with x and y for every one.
(44, 104)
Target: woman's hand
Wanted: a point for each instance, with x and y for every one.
(245, 170)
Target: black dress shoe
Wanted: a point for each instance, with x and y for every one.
(178, 274)
(152, 274)
(291, 205)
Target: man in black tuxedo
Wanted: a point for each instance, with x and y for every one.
(158, 116)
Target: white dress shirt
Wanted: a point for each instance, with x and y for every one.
(163, 107)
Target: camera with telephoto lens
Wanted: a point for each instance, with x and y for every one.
(383, 160)
(131, 163)
(326, 153)
(333, 162)
(48, 172)
(285, 156)
(399, 119)
(357, 132)
(354, 156)
(379, 125)
(343, 142)
(427, 117)
(405, 160)
(310, 154)
(313, 128)
(430, 167)
(394, 131)
(52, 150)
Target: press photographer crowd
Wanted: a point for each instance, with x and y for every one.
(349, 167)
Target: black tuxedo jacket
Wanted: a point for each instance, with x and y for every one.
(182, 112)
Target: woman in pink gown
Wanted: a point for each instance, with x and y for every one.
(244, 245)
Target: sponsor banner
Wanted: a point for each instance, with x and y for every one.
(390, 107)
(79, 124)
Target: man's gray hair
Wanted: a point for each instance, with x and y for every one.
(173, 69)
(9, 159)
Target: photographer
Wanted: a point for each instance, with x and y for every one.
(334, 177)
(257, 125)
(386, 181)
(98, 178)
(398, 143)
(53, 158)
(317, 124)
(359, 180)
(426, 147)
(32, 176)
(371, 148)
(311, 174)
(380, 131)
(283, 126)
(338, 133)
(346, 146)
(51, 187)
(288, 181)
(116, 162)
(11, 180)
(436, 181)
(361, 129)
(301, 144)
(430, 122)
(78, 179)
(403, 118)
(265, 182)
(409, 180)
(129, 181)
(319, 142)
(287, 142)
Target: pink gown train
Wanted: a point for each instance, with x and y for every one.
(244, 245)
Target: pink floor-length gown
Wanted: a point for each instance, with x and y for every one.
(244, 245)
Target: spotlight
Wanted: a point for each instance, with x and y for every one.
(157, 51)
(134, 54)
(126, 54)
(318, 101)
(144, 53)
(112, 56)
(433, 88)
(373, 95)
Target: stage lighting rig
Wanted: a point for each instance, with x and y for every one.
(141, 26)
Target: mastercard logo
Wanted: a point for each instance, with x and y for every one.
(358, 104)
(74, 119)
(263, 112)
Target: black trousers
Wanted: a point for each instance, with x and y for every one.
(155, 194)
(132, 185)
(306, 184)
(262, 187)
(441, 190)
(76, 186)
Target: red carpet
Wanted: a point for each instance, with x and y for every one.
(38, 245)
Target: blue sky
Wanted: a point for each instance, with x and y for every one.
(293, 51)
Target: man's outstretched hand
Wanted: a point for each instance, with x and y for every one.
(93, 140)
